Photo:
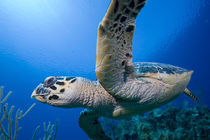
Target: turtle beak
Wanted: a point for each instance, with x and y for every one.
(40, 93)
(40, 99)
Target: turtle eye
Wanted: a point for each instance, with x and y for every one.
(49, 82)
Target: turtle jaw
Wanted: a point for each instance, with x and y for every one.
(40, 93)
(40, 99)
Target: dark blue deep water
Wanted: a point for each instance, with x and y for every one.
(41, 38)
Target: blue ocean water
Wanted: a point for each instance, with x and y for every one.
(41, 38)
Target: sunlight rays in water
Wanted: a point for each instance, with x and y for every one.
(39, 31)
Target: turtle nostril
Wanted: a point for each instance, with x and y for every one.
(49, 81)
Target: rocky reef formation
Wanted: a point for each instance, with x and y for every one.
(168, 123)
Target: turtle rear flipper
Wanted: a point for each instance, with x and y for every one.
(189, 94)
(88, 121)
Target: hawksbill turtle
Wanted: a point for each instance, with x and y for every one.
(123, 88)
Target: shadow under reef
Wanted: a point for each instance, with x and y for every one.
(168, 123)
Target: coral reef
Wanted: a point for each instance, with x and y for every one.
(50, 132)
(6, 118)
(7, 125)
(169, 123)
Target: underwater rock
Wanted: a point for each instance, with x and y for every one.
(169, 123)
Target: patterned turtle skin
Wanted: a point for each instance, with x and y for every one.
(123, 88)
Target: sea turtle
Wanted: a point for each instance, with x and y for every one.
(122, 88)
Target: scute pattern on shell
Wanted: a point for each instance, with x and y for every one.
(149, 67)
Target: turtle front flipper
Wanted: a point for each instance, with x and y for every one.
(88, 121)
(114, 65)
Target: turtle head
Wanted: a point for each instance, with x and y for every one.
(56, 91)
